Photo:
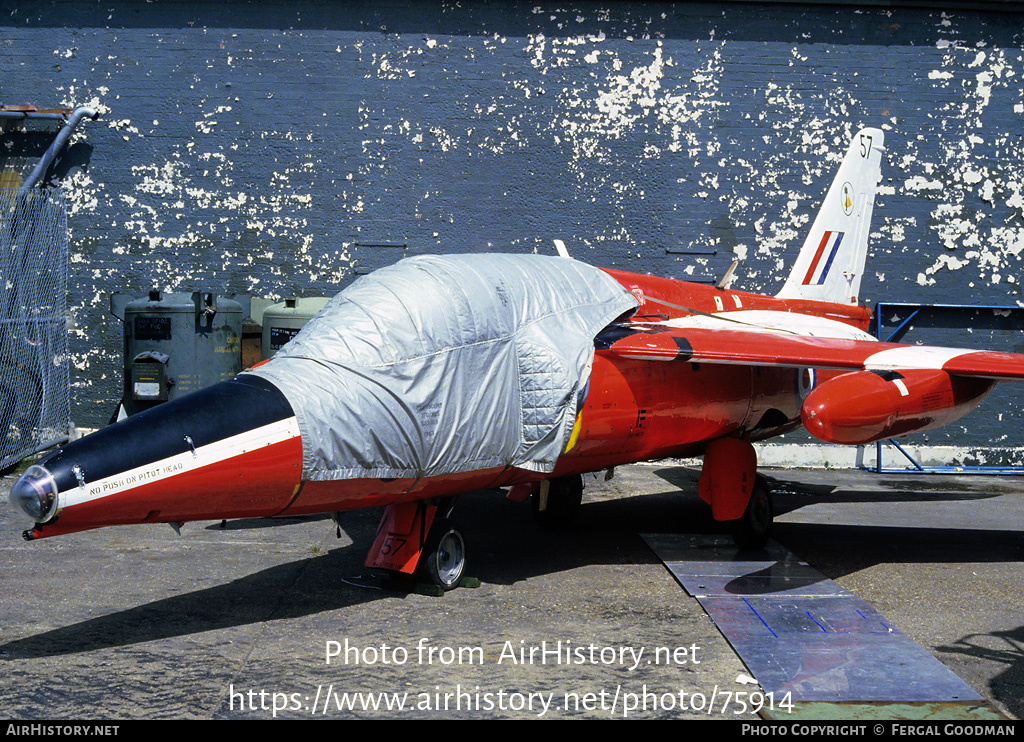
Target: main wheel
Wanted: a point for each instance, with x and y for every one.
(559, 506)
(443, 560)
(753, 530)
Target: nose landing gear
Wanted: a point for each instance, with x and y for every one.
(443, 559)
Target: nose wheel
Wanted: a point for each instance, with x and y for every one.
(443, 559)
(417, 542)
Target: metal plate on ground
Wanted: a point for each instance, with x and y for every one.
(801, 633)
(752, 578)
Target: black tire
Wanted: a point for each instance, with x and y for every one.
(443, 561)
(563, 502)
(753, 530)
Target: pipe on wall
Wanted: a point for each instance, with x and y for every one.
(80, 113)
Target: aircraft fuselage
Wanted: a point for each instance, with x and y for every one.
(234, 450)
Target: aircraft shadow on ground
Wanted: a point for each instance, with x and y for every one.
(837, 549)
(301, 587)
(505, 547)
(911, 488)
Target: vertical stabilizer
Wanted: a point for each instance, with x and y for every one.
(831, 262)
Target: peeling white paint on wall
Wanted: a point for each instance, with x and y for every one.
(623, 133)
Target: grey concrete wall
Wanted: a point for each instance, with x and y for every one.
(280, 147)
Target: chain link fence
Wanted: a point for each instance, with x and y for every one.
(35, 405)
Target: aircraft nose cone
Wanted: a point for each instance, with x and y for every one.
(35, 494)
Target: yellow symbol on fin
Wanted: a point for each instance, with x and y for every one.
(847, 200)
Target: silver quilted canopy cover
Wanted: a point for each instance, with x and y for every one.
(443, 364)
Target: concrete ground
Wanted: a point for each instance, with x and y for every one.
(238, 622)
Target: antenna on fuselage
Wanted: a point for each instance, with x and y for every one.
(730, 274)
(560, 247)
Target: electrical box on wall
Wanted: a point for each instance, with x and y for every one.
(177, 343)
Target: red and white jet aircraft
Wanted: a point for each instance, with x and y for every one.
(687, 369)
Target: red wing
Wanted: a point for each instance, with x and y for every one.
(753, 348)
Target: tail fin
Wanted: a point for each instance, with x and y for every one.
(831, 262)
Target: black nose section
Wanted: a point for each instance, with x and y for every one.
(231, 407)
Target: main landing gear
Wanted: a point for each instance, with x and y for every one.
(729, 482)
(754, 528)
(556, 501)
